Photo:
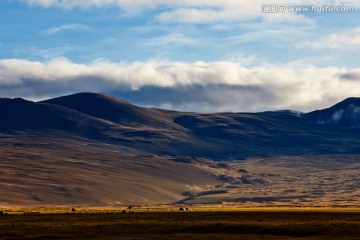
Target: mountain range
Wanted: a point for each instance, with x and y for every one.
(219, 136)
(93, 149)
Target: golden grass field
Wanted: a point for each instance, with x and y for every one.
(167, 222)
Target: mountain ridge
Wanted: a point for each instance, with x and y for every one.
(154, 131)
(106, 107)
(345, 114)
(22, 114)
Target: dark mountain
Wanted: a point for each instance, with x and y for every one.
(112, 109)
(241, 135)
(220, 136)
(345, 114)
(20, 114)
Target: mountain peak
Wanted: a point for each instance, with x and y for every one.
(18, 113)
(345, 114)
(14, 100)
(348, 101)
(109, 108)
(88, 96)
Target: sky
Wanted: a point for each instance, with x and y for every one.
(188, 55)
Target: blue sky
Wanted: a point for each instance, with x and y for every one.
(202, 55)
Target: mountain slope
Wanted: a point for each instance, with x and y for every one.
(220, 136)
(112, 109)
(242, 135)
(22, 114)
(216, 136)
(51, 169)
(345, 114)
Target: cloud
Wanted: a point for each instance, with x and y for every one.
(198, 86)
(265, 34)
(43, 53)
(337, 116)
(67, 27)
(342, 40)
(351, 112)
(50, 53)
(228, 13)
(221, 27)
(171, 39)
(200, 11)
(351, 76)
(191, 3)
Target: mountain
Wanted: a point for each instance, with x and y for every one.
(22, 114)
(92, 149)
(112, 109)
(220, 136)
(345, 114)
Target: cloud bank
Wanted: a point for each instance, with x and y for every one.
(198, 86)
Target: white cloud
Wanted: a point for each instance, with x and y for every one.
(228, 13)
(264, 34)
(192, 3)
(198, 86)
(341, 40)
(170, 40)
(67, 27)
(222, 27)
(337, 116)
(206, 15)
(46, 53)
(33, 52)
(200, 11)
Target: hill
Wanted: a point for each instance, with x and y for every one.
(220, 136)
(345, 114)
(18, 114)
(112, 109)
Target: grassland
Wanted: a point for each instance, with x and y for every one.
(170, 224)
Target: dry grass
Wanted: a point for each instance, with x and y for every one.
(270, 224)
